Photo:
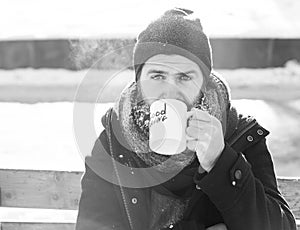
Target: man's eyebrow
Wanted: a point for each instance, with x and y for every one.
(156, 71)
(187, 72)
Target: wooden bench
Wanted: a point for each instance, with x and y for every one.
(48, 200)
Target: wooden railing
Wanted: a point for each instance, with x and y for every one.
(46, 200)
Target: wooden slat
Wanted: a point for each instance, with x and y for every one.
(36, 215)
(40, 189)
(290, 188)
(36, 226)
(29, 218)
(37, 219)
(42, 226)
(61, 190)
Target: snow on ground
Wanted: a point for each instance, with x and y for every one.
(54, 85)
(41, 136)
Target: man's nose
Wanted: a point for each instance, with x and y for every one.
(170, 90)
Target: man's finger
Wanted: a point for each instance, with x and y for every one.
(199, 124)
(195, 145)
(198, 114)
(192, 145)
(194, 132)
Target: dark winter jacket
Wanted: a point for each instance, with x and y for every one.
(240, 191)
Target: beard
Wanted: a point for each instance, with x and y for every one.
(139, 118)
(140, 114)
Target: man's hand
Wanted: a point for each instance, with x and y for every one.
(205, 137)
(217, 227)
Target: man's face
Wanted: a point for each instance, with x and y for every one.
(170, 76)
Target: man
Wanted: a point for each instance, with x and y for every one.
(225, 177)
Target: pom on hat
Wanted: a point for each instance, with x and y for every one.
(175, 32)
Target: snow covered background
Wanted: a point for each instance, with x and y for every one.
(37, 113)
(36, 105)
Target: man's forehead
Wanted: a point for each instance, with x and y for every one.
(163, 61)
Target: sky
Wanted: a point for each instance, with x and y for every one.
(55, 19)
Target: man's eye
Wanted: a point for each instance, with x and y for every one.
(157, 77)
(185, 78)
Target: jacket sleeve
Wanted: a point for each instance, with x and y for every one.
(245, 190)
(99, 206)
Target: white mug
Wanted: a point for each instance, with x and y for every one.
(167, 127)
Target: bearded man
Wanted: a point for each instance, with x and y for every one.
(229, 184)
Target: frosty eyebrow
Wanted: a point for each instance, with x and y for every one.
(187, 73)
(151, 71)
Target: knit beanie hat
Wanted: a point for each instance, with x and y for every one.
(175, 32)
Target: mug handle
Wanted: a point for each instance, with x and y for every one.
(188, 116)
